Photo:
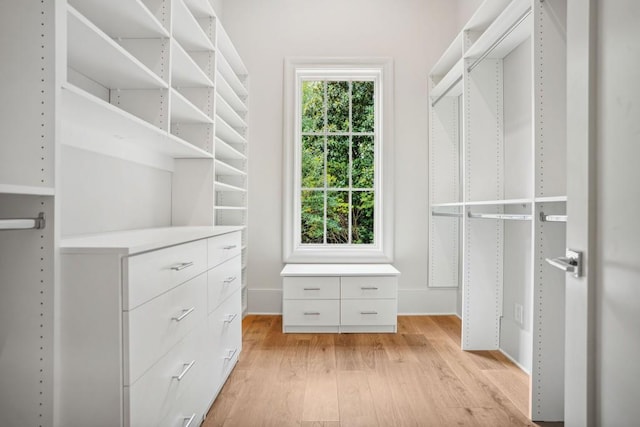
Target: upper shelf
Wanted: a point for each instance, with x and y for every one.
(185, 72)
(451, 83)
(200, 8)
(226, 47)
(231, 77)
(449, 58)
(223, 168)
(92, 53)
(225, 90)
(27, 190)
(121, 18)
(187, 30)
(228, 114)
(507, 32)
(486, 13)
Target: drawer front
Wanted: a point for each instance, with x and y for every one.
(311, 312)
(363, 287)
(150, 274)
(369, 312)
(311, 287)
(223, 281)
(224, 337)
(188, 409)
(156, 326)
(154, 396)
(223, 247)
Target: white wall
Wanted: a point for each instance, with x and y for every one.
(414, 33)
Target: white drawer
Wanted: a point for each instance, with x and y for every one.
(311, 312)
(223, 281)
(224, 336)
(187, 410)
(369, 287)
(154, 396)
(369, 312)
(223, 247)
(150, 274)
(311, 287)
(156, 326)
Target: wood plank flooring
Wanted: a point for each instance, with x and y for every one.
(417, 377)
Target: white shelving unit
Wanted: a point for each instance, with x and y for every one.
(111, 126)
(497, 161)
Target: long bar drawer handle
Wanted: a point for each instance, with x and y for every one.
(369, 288)
(229, 280)
(230, 318)
(187, 366)
(185, 313)
(231, 354)
(368, 312)
(312, 313)
(228, 248)
(189, 420)
(311, 289)
(182, 266)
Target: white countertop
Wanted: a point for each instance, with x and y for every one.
(135, 241)
(339, 270)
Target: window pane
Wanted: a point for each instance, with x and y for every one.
(338, 106)
(312, 106)
(362, 154)
(337, 217)
(313, 161)
(338, 162)
(362, 109)
(312, 210)
(362, 217)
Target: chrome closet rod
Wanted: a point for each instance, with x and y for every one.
(433, 104)
(23, 223)
(495, 44)
(515, 217)
(552, 218)
(453, 214)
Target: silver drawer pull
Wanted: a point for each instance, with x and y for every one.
(231, 354)
(229, 280)
(182, 266)
(312, 313)
(189, 420)
(369, 288)
(185, 313)
(230, 318)
(311, 289)
(228, 248)
(187, 366)
(368, 312)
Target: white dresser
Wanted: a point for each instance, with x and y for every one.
(150, 325)
(339, 298)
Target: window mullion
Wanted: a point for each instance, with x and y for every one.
(350, 170)
(325, 128)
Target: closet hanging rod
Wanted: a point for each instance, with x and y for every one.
(504, 35)
(552, 218)
(443, 94)
(515, 217)
(23, 223)
(452, 214)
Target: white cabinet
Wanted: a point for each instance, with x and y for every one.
(339, 298)
(146, 361)
(498, 186)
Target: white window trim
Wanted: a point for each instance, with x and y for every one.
(382, 250)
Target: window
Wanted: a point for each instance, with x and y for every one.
(337, 153)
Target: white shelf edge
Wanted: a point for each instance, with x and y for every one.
(230, 208)
(485, 14)
(227, 133)
(227, 167)
(28, 190)
(449, 58)
(499, 202)
(202, 81)
(226, 47)
(221, 186)
(451, 83)
(550, 199)
(231, 77)
(447, 205)
(194, 41)
(239, 121)
(238, 155)
(226, 91)
(193, 113)
(200, 8)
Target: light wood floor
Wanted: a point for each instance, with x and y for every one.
(417, 377)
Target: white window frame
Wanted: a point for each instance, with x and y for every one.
(381, 71)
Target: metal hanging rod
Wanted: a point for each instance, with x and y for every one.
(443, 94)
(452, 214)
(23, 223)
(515, 217)
(552, 218)
(504, 35)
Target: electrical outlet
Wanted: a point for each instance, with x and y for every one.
(518, 313)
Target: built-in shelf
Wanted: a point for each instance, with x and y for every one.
(225, 151)
(200, 8)
(94, 54)
(223, 168)
(187, 31)
(184, 111)
(229, 95)
(228, 114)
(499, 202)
(446, 205)
(451, 83)
(230, 53)
(27, 190)
(122, 18)
(221, 186)
(93, 124)
(185, 71)
(231, 77)
(551, 199)
(231, 208)
(228, 134)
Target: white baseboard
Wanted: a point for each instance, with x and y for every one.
(418, 302)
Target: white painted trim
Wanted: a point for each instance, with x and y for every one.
(370, 68)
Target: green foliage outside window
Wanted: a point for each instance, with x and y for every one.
(337, 195)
